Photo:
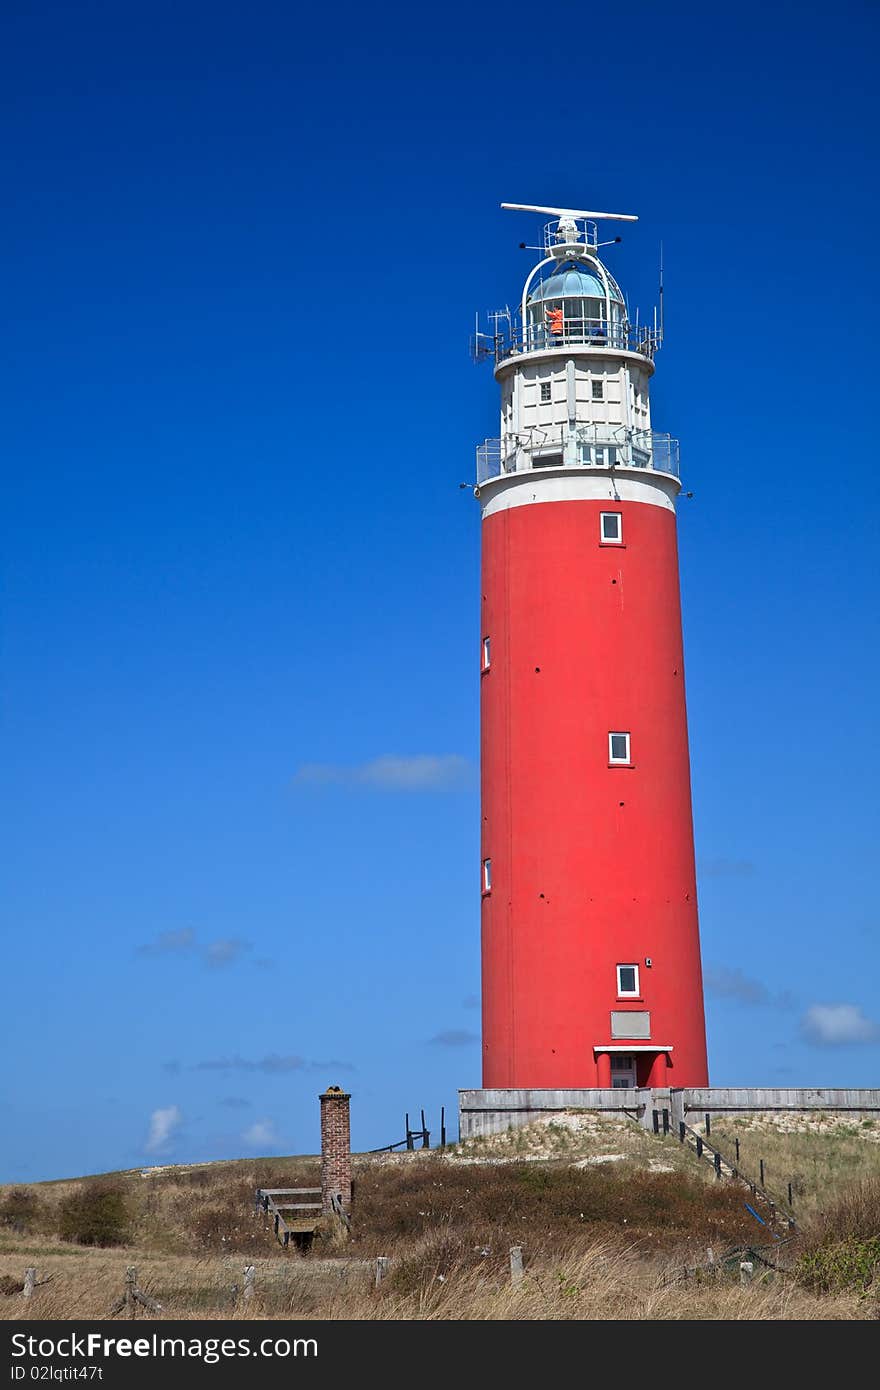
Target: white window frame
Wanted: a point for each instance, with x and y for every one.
(611, 540)
(597, 381)
(619, 733)
(487, 654)
(628, 993)
(545, 393)
(487, 875)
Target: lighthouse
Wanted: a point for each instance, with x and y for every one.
(591, 972)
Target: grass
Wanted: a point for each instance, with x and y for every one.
(821, 1157)
(600, 1280)
(607, 1214)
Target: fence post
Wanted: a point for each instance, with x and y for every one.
(655, 1120)
(130, 1287)
(682, 1130)
(409, 1138)
(699, 1147)
(708, 1124)
(443, 1126)
(381, 1268)
(30, 1280)
(516, 1264)
(250, 1273)
(718, 1165)
(790, 1202)
(736, 1142)
(761, 1164)
(665, 1121)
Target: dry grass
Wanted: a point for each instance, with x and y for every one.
(820, 1154)
(608, 1216)
(600, 1281)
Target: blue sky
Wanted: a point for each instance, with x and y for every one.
(242, 251)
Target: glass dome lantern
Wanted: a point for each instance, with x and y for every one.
(577, 302)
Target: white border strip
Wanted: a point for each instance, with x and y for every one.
(564, 485)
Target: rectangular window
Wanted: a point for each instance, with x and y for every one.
(611, 527)
(486, 654)
(598, 390)
(618, 748)
(605, 456)
(627, 980)
(487, 875)
(545, 390)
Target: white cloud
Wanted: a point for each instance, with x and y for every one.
(831, 1025)
(261, 1134)
(393, 772)
(164, 1124)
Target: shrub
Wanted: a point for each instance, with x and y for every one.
(842, 1248)
(95, 1214)
(20, 1210)
(850, 1264)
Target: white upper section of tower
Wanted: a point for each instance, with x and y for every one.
(573, 369)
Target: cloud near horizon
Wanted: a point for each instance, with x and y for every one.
(730, 983)
(261, 1134)
(835, 1025)
(214, 954)
(725, 868)
(164, 1124)
(418, 772)
(454, 1037)
(273, 1064)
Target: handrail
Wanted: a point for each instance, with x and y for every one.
(578, 446)
(577, 332)
(720, 1160)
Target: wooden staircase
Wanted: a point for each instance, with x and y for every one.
(726, 1168)
(299, 1228)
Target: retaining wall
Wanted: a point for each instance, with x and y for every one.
(493, 1111)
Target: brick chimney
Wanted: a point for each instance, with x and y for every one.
(335, 1147)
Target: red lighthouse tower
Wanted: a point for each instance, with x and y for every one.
(590, 939)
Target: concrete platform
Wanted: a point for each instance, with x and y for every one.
(482, 1111)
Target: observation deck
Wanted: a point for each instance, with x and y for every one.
(578, 447)
(599, 334)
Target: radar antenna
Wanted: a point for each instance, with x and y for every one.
(570, 212)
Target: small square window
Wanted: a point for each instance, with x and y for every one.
(628, 980)
(487, 875)
(598, 390)
(618, 748)
(545, 390)
(611, 527)
(487, 656)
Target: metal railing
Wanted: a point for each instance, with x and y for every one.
(574, 332)
(581, 446)
(585, 232)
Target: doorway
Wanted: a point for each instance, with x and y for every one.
(623, 1071)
